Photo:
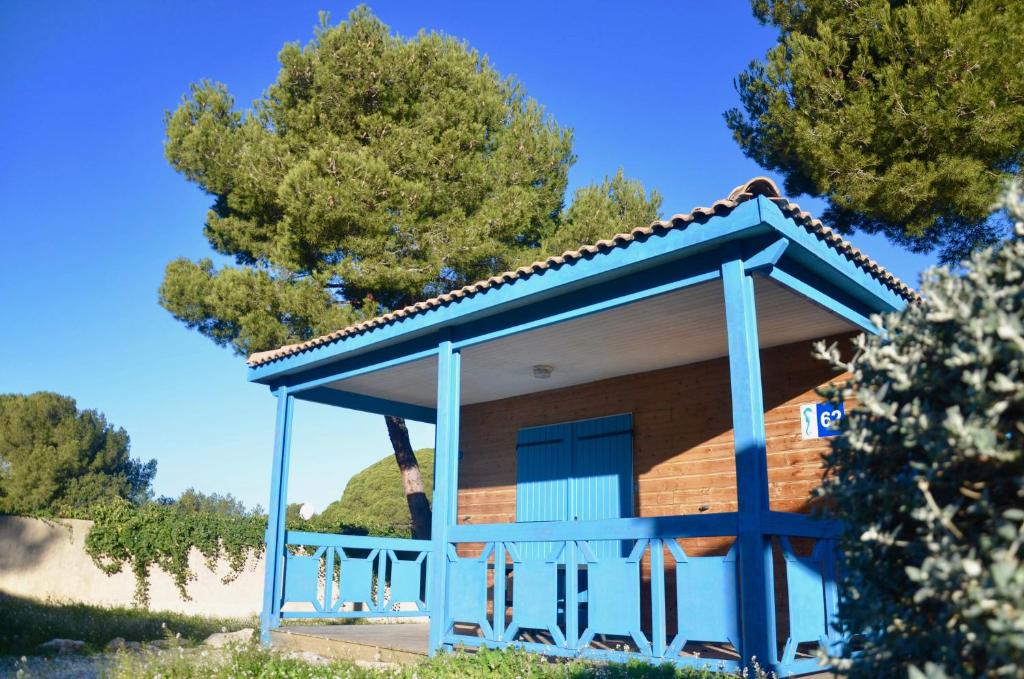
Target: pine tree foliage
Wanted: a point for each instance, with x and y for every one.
(375, 172)
(906, 116)
(930, 477)
(57, 459)
(374, 498)
(602, 210)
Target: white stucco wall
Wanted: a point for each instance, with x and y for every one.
(47, 560)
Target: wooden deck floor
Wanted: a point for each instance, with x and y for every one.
(394, 643)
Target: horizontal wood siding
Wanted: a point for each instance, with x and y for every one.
(683, 445)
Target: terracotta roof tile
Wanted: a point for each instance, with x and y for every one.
(759, 186)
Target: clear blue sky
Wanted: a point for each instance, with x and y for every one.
(90, 212)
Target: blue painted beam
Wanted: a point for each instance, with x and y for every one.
(763, 257)
(799, 525)
(446, 475)
(643, 285)
(658, 633)
(757, 619)
(306, 538)
(498, 618)
(673, 244)
(823, 294)
(631, 528)
(572, 595)
(362, 364)
(811, 251)
(274, 561)
(368, 404)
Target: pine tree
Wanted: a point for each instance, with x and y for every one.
(375, 172)
(57, 459)
(907, 116)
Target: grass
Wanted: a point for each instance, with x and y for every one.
(25, 623)
(300, 622)
(254, 662)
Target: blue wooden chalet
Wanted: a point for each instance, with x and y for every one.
(573, 394)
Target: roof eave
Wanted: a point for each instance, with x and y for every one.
(825, 261)
(815, 250)
(742, 221)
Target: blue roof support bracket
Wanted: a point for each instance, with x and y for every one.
(768, 259)
(446, 481)
(823, 294)
(765, 258)
(757, 617)
(273, 579)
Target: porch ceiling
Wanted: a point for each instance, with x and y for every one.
(686, 326)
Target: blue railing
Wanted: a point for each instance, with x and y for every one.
(661, 601)
(574, 602)
(351, 576)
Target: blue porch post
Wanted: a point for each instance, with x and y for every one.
(757, 618)
(446, 480)
(273, 579)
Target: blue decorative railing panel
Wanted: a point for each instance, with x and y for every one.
(541, 579)
(570, 599)
(696, 576)
(566, 599)
(467, 589)
(576, 597)
(811, 597)
(613, 586)
(354, 576)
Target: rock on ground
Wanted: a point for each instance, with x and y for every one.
(222, 639)
(307, 657)
(119, 644)
(377, 665)
(61, 646)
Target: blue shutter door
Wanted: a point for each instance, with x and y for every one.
(578, 471)
(602, 474)
(543, 470)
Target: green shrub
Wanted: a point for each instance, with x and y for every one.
(930, 478)
(374, 498)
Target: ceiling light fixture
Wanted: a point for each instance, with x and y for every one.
(542, 372)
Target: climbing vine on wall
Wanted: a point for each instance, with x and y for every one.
(163, 536)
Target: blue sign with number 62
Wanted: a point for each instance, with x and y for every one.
(829, 415)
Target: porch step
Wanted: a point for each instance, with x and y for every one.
(401, 643)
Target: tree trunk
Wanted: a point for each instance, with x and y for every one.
(412, 481)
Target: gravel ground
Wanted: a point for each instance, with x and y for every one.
(93, 666)
(63, 666)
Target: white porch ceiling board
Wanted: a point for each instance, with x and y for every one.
(682, 327)
(784, 317)
(668, 330)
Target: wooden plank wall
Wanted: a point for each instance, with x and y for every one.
(682, 448)
(683, 445)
